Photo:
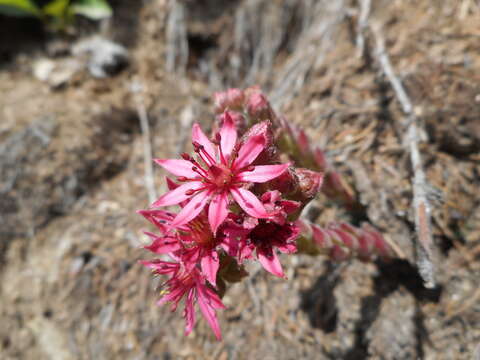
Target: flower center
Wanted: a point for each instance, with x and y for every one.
(264, 233)
(201, 233)
(220, 175)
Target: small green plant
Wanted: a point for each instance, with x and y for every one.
(56, 13)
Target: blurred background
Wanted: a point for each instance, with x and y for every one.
(88, 87)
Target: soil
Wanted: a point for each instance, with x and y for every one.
(72, 177)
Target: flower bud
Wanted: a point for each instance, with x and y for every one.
(265, 129)
(231, 99)
(238, 120)
(236, 98)
(220, 100)
(286, 183)
(258, 107)
(309, 182)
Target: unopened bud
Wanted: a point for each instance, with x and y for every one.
(237, 118)
(286, 183)
(220, 100)
(310, 182)
(235, 98)
(264, 129)
(231, 99)
(258, 107)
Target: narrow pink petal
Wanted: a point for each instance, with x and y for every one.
(217, 211)
(263, 173)
(249, 203)
(270, 262)
(209, 313)
(228, 134)
(178, 167)
(164, 245)
(192, 209)
(189, 312)
(161, 267)
(199, 136)
(174, 295)
(178, 195)
(210, 264)
(157, 214)
(190, 258)
(249, 151)
(215, 301)
(159, 218)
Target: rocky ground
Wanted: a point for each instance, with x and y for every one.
(72, 165)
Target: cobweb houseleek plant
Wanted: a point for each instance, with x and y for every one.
(240, 195)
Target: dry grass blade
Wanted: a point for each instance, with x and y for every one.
(176, 34)
(365, 7)
(136, 89)
(421, 205)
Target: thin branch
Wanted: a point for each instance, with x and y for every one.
(421, 205)
(176, 38)
(136, 89)
(365, 7)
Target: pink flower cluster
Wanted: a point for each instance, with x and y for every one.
(238, 202)
(230, 209)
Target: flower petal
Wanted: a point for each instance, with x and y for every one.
(217, 211)
(174, 295)
(249, 203)
(270, 262)
(210, 264)
(208, 311)
(199, 136)
(228, 134)
(192, 209)
(160, 266)
(178, 167)
(163, 245)
(178, 195)
(189, 312)
(263, 173)
(249, 151)
(212, 296)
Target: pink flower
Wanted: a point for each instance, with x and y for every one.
(193, 243)
(190, 282)
(266, 235)
(223, 169)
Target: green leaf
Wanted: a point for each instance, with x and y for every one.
(56, 8)
(19, 8)
(92, 9)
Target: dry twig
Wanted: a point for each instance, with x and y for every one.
(176, 38)
(365, 6)
(136, 89)
(421, 205)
